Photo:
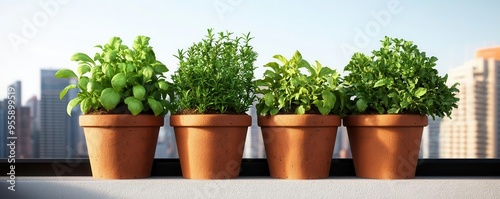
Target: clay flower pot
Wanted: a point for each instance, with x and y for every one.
(385, 146)
(210, 146)
(121, 146)
(299, 146)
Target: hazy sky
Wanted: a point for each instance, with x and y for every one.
(37, 34)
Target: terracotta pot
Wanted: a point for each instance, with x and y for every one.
(210, 146)
(121, 146)
(385, 146)
(299, 146)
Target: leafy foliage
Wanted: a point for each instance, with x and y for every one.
(398, 79)
(215, 75)
(286, 90)
(119, 76)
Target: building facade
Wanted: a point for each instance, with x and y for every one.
(34, 117)
(473, 132)
(429, 148)
(54, 121)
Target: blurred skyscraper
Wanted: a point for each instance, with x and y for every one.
(55, 126)
(22, 126)
(34, 104)
(430, 139)
(3, 128)
(474, 130)
(166, 147)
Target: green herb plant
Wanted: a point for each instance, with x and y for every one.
(119, 80)
(398, 79)
(215, 75)
(285, 89)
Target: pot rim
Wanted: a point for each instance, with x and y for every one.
(210, 120)
(120, 120)
(294, 120)
(385, 120)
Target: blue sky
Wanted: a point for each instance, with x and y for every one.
(37, 34)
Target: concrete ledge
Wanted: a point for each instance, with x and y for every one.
(246, 187)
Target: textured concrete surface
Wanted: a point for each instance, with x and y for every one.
(245, 187)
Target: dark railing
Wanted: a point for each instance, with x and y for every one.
(251, 167)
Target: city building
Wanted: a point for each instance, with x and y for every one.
(34, 104)
(474, 132)
(169, 139)
(54, 137)
(3, 128)
(17, 93)
(23, 133)
(429, 148)
(166, 146)
(22, 124)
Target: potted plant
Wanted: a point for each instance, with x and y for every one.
(213, 89)
(123, 98)
(392, 94)
(299, 117)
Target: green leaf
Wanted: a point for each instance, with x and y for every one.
(139, 92)
(433, 59)
(83, 82)
(275, 66)
(300, 110)
(159, 67)
(140, 41)
(115, 42)
(94, 86)
(65, 73)
(304, 64)
(134, 105)
(269, 99)
(297, 57)
(281, 58)
(274, 111)
(71, 104)
(381, 82)
(85, 105)
(156, 106)
(281, 102)
(270, 74)
(65, 90)
(323, 110)
(147, 73)
(163, 85)
(361, 105)
(393, 95)
(119, 81)
(110, 56)
(393, 111)
(329, 99)
(82, 57)
(108, 70)
(109, 98)
(83, 68)
(130, 68)
(420, 92)
(325, 71)
(263, 110)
